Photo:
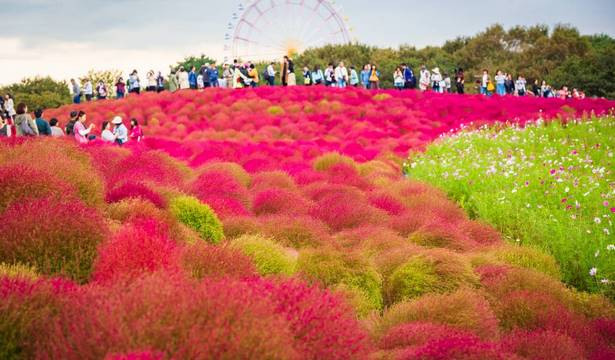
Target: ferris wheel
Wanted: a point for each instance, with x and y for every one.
(269, 29)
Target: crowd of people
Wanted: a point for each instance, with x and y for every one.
(22, 124)
(242, 75)
(15, 120)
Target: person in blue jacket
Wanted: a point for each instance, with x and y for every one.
(365, 73)
(213, 75)
(192, 78)
(409, 79)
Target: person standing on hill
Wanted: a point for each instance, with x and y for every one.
(134, 84)
(212, 71)
(24, 124)
(192, 78)
(329, 75)
(292, 78)
(159, 82)
(436, 78)
(101, 90)
(520, 84)
(173, 82)
(374, 78)
(509, 84)
(424, 79)
(204, 73)
(9, 106)
(500, 83)
(317, 75)
(253, 75)
(88, 90)
(227, 74)
(5, 128)
(354, 77)
(398, 79)
(271, 74)
(284, 71)
(460, 81)
(409, 79)
(76, 89)
(182, 76)
(120, 88)
(151, 81)
(41, 124)
(341, 75)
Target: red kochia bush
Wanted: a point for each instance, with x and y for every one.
(134, 190)
(141, 247)
(456, 347)
(20, 181)
(543, 345)
(166, 313)
(140, 355)
(342, 211)
(324, 327)
(56, 237)
(280, 201)
(224, 193)
(203, 260)
(418, 334)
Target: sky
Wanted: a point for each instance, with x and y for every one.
(66, 38)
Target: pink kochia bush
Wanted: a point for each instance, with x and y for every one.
(58, 238)
(135, 190)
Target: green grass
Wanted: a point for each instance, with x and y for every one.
(547, 185)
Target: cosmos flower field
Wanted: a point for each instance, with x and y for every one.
(277, 223)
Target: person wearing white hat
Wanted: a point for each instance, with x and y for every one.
(436, 78)
(120, 130)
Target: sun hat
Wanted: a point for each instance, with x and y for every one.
(117, 120)
(436, 70)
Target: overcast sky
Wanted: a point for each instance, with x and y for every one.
(65, 38)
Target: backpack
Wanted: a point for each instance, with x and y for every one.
(490, 86)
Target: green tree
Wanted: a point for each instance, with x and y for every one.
(39, 92)
(190, 61)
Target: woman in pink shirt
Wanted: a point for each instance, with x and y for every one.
(136, 133)
(82, 134)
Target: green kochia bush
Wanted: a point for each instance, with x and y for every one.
(344, 271)
(198, 216)
(433, 271)
(269, 257)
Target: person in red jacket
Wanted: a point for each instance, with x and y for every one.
(136, 132)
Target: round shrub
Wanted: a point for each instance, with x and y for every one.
(26, 306)
(457, 347)
(323, 325)
(431, 271)
(19, 182)
(132, 190)
(529, 258)
(182, 319)
(280, 201)
(332, 268)
(295, 231)
(203, 260)
(542, 344)
(442, 235)
(140, 248)
(235, 226)
(272, 179)
(151, 166)
(326, 161)
(481, 233)
(198, 216)
(417, 334)
(464, 309)
(58, 238)
(212, 185)
(269, 257)
(343, 211)
(71, 165)
(233, 169)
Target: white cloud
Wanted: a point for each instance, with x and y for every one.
(65, 60)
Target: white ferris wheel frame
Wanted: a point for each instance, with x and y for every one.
(256, 12)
